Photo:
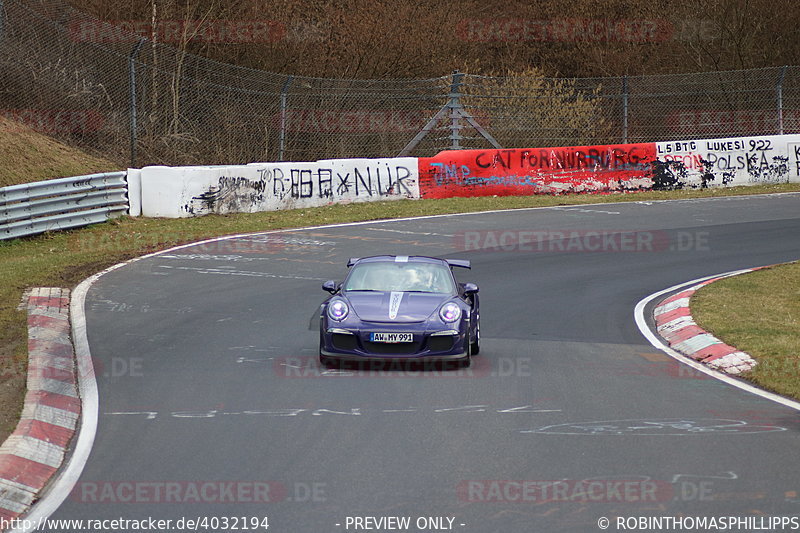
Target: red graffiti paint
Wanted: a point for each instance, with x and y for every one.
(526, 171)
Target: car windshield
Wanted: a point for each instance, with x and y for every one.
(401, 277)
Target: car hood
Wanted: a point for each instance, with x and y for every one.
(395, 307)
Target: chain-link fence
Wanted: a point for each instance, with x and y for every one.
(111, 91)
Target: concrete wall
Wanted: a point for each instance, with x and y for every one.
(605, 168)
(194, 191)
(728, 162)
(525, 171)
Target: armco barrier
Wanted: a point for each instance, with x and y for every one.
(61, 204)
(193, 191)
(627, 167)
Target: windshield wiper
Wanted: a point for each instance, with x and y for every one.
(387, 290)
(427, 292)
(364, 290)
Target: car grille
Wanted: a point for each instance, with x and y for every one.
(440, 343)
(383, 348)
(342, 341)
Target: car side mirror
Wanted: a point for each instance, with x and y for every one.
(470, 289)
(330, 286)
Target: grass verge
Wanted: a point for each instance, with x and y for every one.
(27, 155)
(759, 313)
(63, 259)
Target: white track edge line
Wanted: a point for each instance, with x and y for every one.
(656, 341)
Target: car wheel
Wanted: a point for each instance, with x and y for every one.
(475, 346)
(464, 363)
(329, 362)
(324, 360)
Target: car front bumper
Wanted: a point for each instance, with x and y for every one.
(355, 343)
(424, 358)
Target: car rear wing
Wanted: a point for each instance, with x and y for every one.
(460, 263)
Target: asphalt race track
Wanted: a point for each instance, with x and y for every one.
(212, 403)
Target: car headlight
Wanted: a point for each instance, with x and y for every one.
(450, 312)
(338, 309)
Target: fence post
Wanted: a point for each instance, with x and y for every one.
(132, 85)
(2, 20)
(625, 109)
(282, 131)
(779, 90)
(455, 110)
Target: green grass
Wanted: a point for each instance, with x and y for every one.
(63, 259)
(27, 156)
(758, 313)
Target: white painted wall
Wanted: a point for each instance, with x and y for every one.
(733, 161)
(168, 191)
(192, 191)
(134, 178)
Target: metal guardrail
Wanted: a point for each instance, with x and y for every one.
(59, 204)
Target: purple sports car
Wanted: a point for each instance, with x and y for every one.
(407, 308)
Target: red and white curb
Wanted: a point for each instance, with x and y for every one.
(34, 452)
(642, 322)
(675, 324)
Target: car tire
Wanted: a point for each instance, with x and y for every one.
(326, 362)
(475, 347)
(467, 361)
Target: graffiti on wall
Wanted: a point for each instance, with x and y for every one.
(262, 187)
(537, 170)
(192, 191)
(609, 168)
(793, 153)
(725, 162)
